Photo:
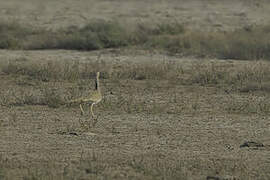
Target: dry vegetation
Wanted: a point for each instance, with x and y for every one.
(248, 43)
(230, 91)
(186, 89)
(249, 78)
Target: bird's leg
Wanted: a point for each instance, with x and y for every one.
(82, 111)
(94, 117)
(91, 109)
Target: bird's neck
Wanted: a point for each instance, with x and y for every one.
(97, 85)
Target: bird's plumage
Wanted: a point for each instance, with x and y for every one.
(93, 97)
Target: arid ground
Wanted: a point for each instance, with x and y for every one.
(163, 116)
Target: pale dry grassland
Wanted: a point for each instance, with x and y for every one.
(161, 118)
(185, 84)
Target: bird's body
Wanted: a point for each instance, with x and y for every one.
(92, 98)
(95, 97)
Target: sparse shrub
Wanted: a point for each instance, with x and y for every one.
(250, 77)
(51, 70)
(43, 39)
(250, 104)
(111, 34)
(11, 68)
(160, 70)
(205, 74)
(72, 71)
(95, 35)
(246, 44)
(12, 34)
(80, 41)
(169, 28)
(20, 97)
(155, 35)
(8, 42)
(52, 98)
(140, 34)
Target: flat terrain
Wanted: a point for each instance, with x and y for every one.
(162, 117)
(202, 14)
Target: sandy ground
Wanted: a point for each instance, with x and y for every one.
(187, 133)
(202, 14)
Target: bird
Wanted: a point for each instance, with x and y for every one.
(93, 98)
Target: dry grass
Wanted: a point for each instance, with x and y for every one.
(157, 105)
(248, 43)
(176, 118)
(37, 84)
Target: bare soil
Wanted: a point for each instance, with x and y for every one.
(166, 130)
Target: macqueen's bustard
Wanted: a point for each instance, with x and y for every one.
(94, 97)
